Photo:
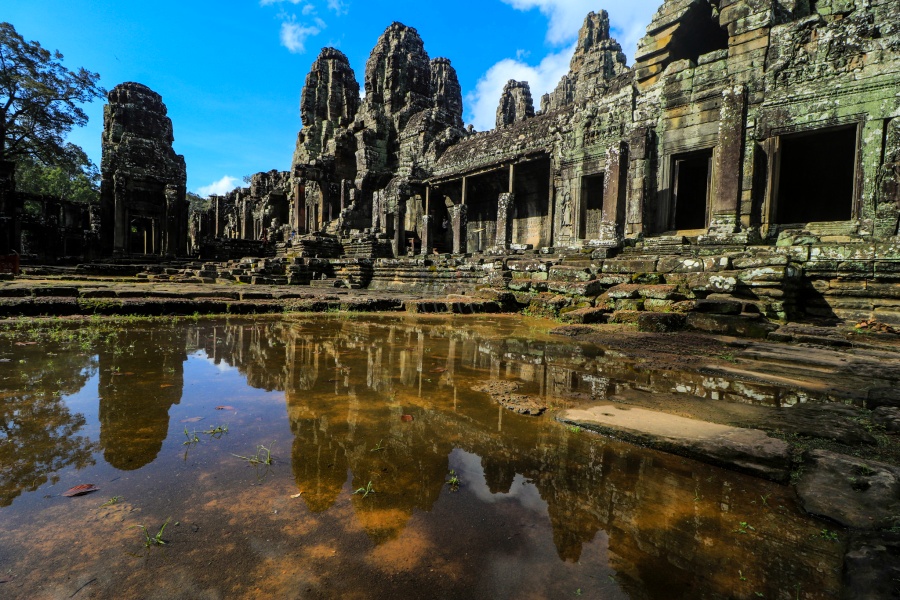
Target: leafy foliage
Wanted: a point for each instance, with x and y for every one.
(197, 202)
(80, 185)
(39, 101)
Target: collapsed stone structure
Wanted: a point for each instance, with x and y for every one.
(142, 192)
(753, 149)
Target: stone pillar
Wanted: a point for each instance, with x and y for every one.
(726, 200)
(8, 241)
(612, 222)
(640, 153)
(219, 225)
(122, 227)
(504, 223)
(427, 240)
(459, 219)
(399, 242)
(887, 203)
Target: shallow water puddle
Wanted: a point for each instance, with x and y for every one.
(463, 499)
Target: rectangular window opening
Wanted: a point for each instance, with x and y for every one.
(816, 176)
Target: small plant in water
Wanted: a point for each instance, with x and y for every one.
(191, 438)
(216, 432)
(365, 491)
(744, 527)
(453, 481)
(830, 536)
(378, 447)
(263, 456)
(154, 540)
(574, 428)
(111, 501)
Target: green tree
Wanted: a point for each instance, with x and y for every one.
(197, 202)
(39, 101)
(80, 185)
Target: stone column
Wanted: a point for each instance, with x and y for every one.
(427, 241)
(640, 153)
(504, 223)
(122, 226)
(399, 230)
(8, 241)
(726, 200)
(459, 219)
(219, 225)
(612, 222)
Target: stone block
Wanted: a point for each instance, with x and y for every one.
(761, 260)
(585, 316)
(628, 290)
(660, 322)
(629, 304)
(564, 273)
(736, 325)
(630, 265)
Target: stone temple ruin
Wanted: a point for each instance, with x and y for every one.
(752, 148)
(142, 194)
(751, 153)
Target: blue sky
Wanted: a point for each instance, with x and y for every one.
(231, 72)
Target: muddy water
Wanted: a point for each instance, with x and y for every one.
(540, 511)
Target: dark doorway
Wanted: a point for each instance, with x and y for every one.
(591, 206)
(816, 176)
(142, 236)
(690, 185)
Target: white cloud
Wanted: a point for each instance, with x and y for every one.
(628, 18)
(294, 35)
(338, 6)
(482, 102)
(309, 9)
(220, 187)
(270, 2)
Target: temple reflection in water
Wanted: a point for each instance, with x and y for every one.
(347, 383)
(659, 521)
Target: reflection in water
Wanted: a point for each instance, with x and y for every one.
(542, 511)
(141, 377)
(347, 384)
(38, 432)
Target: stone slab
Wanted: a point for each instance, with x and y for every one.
(851, 491)
(748, 450)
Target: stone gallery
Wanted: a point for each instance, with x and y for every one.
(767, 130)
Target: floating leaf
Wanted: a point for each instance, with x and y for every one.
(297, 495)
(80, 490)
(224, 408)
(25, 343)
(192, 420)
(165, 385)
(406, 418)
